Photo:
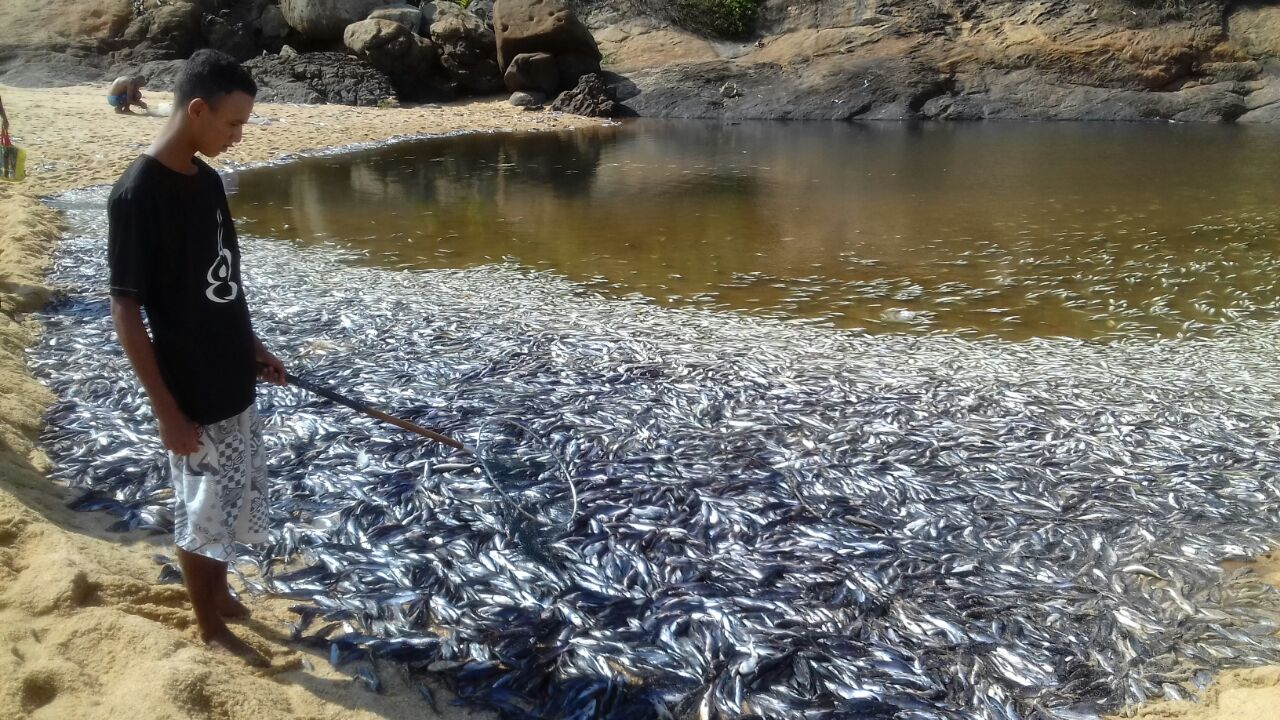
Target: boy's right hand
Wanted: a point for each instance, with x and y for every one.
(180, 435)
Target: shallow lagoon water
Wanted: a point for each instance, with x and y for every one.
(1013, 230)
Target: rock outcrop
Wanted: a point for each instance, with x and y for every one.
(535, 72)
(319, 78)
(320, 20)
(1198, 60)
(467, 47)
(409, 16)
(591, 97)
(409, 60)
(544, 27)
(1191, 60)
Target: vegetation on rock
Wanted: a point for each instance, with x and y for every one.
(717, 18)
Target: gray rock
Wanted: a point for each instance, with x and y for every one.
(409, 60)
(327, 19)
(482, 9)
(592, 98)
(1026, 94)
(450, 22)
(896, 88)
(45, 68)
(386, 44)
(176, 27)
(533, 71)
(138, 29)
(530, 26)
(287, 51)
(271, 24)
(319, 78)
(234, 39)
(1231, 71)
(573, 66)
(1264, 114)
(527, 99)
(467, 49)
(407, 15)
(831, 89)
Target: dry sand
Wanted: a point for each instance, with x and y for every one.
(85, 632)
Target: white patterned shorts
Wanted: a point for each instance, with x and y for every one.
(220, 491)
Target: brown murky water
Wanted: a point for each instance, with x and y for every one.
(1014, 230)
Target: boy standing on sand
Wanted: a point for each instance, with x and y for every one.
(172, 251)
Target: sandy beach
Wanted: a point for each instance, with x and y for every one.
(86, 631)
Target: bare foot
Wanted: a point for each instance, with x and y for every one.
(225, 640)
(232, 609)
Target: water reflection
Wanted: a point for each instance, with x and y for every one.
(1012, 229)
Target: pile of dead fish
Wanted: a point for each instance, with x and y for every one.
(771, 520)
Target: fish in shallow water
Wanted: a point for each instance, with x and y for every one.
(773, 520)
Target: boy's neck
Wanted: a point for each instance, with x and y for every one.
(174, 149)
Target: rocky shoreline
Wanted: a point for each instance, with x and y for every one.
(1127, 60)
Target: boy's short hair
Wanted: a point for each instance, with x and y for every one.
(210, 74)
(140, 80)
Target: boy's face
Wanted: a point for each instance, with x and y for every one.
(217, 127)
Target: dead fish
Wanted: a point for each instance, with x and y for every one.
(772, 520)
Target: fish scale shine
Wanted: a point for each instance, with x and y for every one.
(774, 520)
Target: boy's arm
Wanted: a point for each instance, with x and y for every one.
(4, 119)
(178, 433)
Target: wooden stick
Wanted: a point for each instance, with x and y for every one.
(371, 412)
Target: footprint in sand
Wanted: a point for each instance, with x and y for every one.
(37, 690)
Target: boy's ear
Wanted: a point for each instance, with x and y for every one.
(197, 107)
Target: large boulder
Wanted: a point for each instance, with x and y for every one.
(482, 9)
(407, 15)
(572, 66)
(529, 26)
(467, 48)
(533, 71)
(409, 60)
(175, 26)
(271, 23)
(236, 39)
(591, 97)
(326, 19)
(321, 77)
(244, 28)
(241, 29)
(388, 45)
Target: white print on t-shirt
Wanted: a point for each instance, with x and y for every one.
(219, 274)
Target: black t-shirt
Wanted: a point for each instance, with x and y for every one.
(172, 247)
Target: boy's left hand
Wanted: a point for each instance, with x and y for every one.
(270, 368)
